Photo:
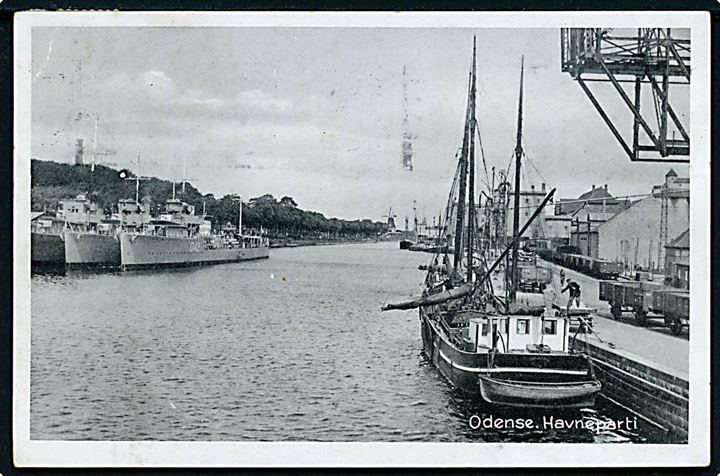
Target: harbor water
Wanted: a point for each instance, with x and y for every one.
(290, 348)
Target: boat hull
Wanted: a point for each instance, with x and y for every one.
(47, 249)
(86, 250)
(428, 248)
(463, 371)
(151, 251)
(538, 395)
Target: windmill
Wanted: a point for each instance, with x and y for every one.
(390, 219)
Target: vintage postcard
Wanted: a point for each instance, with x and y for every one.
(361, 239)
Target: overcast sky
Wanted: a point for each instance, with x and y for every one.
(316, 114)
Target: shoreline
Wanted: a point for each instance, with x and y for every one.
(298, 244)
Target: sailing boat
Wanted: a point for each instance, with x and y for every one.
(506, 352)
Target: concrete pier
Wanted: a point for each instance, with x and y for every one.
(644, 370)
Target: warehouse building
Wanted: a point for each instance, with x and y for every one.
(677, 261)
(633, 236)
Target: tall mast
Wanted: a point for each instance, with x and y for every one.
(173, 159)
(92, 163)
(184, 175)
(516, 210)
(240, 218)
(415, 220)
(137, 179)
(471, 163)
(462, 190)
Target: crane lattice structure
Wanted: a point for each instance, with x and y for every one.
(500, 210)
(407, 137)
(646, 56)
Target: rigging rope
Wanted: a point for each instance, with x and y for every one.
(482, 153)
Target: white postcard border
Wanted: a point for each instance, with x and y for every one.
(36, 453)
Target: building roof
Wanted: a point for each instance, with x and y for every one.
(34, 215)
(596, 192)
(681, 241)
(631, 204)
(597, 196)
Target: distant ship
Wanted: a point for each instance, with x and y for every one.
(178, 237)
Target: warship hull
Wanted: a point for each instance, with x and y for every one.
(91, 250)
(151, 251)
(47, 249)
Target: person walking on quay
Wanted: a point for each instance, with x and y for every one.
(574, 289)
(562, 277)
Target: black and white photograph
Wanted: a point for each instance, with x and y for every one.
(361, 239)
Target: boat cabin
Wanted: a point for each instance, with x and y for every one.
(132, 216)
(79, 211)
(518, 333)
(164, 227)
(42, 222)
(253, 241)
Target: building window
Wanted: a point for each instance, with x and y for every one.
(550, 327)
(523, 326)
(484, 328)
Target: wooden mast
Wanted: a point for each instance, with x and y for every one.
(462, 190)
(471, 171)
(516, 211)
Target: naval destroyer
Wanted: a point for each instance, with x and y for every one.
(99, 247)
(179, 237)
(48, 232)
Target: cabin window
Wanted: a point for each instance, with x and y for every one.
(523, 326)
(484, 328)
(550, 327)
(501, 326)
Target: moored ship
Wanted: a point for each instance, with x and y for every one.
(510, 351)
(99, 246)
(180, 238)
(48, 231)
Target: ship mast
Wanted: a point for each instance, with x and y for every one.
(462, 190)
(471, 166)
(137, 179)
(92, 163)
(516, 210)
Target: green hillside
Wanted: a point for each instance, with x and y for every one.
(52, 181)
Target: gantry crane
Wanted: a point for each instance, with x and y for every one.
(645, 56)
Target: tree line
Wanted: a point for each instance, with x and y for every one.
(278, 218)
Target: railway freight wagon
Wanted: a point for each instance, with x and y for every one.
(534, 278)
(558, 255)
(569, 256)
(674, 305)
(597, 267)
(647, 300)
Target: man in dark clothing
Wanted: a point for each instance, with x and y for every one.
(574, 289)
